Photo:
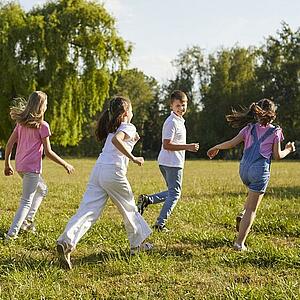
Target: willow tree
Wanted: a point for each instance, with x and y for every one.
(67, 48)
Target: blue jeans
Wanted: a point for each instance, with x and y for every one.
(173, 178)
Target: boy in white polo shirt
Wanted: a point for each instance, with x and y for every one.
(170, 160)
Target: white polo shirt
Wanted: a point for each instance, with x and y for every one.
(110, 155)
(174, 130)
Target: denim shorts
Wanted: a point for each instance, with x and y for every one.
(255, 177)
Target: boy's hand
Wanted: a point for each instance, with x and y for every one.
(290, 146)
(194, 147)
(212, 152)
(138, 160)
(8, 171)
(70, 169)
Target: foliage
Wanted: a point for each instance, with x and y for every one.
(67, 48)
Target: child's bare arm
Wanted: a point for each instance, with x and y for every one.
(54, 157)
(212, 152)
(8, 169)
(168, 145)
(117, 141)
(279, 154)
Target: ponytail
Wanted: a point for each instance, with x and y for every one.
(263, 112)
(112, 117)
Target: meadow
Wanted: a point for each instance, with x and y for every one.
(195, 260)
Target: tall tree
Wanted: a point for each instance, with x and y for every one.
(67, 48)
(279, 77)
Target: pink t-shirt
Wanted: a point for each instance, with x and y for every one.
(266, 147)
(30, 147)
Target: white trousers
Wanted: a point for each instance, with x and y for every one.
(34, 190)
(106, 181)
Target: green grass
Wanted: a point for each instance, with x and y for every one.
(193, 261)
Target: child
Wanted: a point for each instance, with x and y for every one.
(170, 160)
(32, 136)
(261, 140)
(108, 179)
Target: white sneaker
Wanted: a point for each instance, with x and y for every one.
(28, 226)
(239, 247)
(141, 247)
(64, 254)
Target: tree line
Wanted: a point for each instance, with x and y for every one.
(71, 50)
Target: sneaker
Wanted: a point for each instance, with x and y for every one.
(64, 254)
(239, 247)
(160, 228)
(143, 202)
(9, 238)
(28, 226)
(141, 247)
(238, 220)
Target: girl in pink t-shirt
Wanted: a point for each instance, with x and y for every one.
(261, 141)
(31, 135)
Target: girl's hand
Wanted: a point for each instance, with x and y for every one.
(212, 152)
(8, 171)
(290, 146)
(70, 169)
(194, 147)
(138, 160)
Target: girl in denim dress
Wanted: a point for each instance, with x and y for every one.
(261, 142)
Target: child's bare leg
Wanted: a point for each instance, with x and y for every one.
(251, 205)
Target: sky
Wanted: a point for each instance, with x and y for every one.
(160, 29)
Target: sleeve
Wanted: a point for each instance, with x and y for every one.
(243, 131)
(168, 131)
(45, 130)
(278, 135)
(129, 129)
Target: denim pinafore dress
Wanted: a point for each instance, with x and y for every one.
(254, 168)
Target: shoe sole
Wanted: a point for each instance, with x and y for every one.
(63, 259)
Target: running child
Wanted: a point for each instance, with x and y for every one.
(31, 135)
(171, 160)
(261, 142)
(108, 180)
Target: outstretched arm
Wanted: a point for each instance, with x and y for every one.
(279, 154)
(8, 169)
(168, 145)
(212, 152)
(117, 141)
(53, 156)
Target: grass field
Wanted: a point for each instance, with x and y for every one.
(193, 261)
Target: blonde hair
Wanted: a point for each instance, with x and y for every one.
(29, 113)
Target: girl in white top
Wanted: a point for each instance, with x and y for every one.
(108, 179)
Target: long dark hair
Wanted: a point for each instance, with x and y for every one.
(263, 111)
(111, 118)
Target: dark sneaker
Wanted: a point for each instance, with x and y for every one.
(64, 255)
(142, 203)
(160, 228)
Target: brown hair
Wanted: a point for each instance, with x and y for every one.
(263, 111)
(178, 95)
(29, 113)
(111, 118)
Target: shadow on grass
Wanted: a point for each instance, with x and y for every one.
(212, 242)
(284, 191)
(104, 256)
(262, 259)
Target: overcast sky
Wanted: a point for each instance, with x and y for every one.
(159, 29)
